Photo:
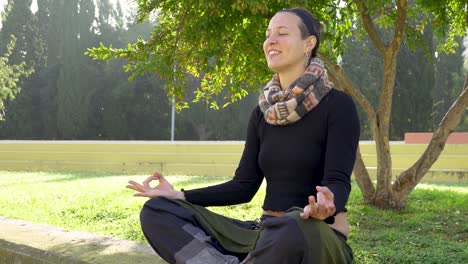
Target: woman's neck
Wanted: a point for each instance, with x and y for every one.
(287, 78)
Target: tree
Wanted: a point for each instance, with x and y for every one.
(128, 110)
(12, 68)
(75, 91)
(22, 114)
(220, 41)
(448, 19)
(9, 77)
(432, 81)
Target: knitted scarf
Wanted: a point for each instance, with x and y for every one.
(286, 107)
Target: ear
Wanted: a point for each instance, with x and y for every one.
(310, 43)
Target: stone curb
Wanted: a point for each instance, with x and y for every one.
(23, 242)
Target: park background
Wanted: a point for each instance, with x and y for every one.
(73, 97)
(70, 96)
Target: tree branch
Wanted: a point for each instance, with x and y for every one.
(361, 173)
(400, 25)
(408, 179)
(347, 86)
(369, 26)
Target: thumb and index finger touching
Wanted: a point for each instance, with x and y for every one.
(156, 176)
(139, 187)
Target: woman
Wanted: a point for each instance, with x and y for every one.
(302, 139)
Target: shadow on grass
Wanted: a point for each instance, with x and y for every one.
(106, 251)
(187, 180)
(72, 176)
(431, 229)
(199, 180)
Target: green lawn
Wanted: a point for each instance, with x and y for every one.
(432, 229)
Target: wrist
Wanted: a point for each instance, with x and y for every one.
(180, 195)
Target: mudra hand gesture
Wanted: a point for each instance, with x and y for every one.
(163, 189)
(323, 207)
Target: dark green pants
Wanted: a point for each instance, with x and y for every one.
(181, 232)
(302, 241)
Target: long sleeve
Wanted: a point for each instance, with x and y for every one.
(248, 176)
(342, 141)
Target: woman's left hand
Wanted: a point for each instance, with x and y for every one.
(323, 207)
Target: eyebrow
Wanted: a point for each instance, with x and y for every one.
(280, 27)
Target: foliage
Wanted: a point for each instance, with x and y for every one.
(217, 41)
(10, 76)
(70, 96)
(433, 82)
(23, 115)
(432, 229)
(105, 105)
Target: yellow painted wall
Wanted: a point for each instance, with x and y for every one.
(189, 158)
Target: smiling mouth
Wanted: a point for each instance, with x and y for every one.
(273, 52)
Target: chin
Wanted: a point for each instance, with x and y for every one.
(274, 67)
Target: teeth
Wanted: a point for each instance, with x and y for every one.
(273, 52)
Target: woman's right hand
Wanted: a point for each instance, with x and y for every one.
(163, 189)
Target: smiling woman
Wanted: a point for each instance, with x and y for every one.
(284, 55)
(296, 141)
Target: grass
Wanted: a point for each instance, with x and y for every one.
(432, 229)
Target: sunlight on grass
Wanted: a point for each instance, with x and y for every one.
(444, 187)
(431, 229)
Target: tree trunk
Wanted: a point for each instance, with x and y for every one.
(363, 179)
(384, 197)
(408, 179)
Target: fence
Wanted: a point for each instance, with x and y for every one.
(193, 158)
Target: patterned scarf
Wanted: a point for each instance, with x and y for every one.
(286, 107)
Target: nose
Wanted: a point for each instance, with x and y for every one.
(271, 39)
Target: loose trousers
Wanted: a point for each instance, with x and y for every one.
(183, 233)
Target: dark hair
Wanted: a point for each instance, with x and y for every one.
(310, 26)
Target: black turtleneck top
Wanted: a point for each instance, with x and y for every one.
(319, 149)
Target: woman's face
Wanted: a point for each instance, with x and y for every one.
(284, 47)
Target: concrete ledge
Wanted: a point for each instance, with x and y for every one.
(23, 242)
